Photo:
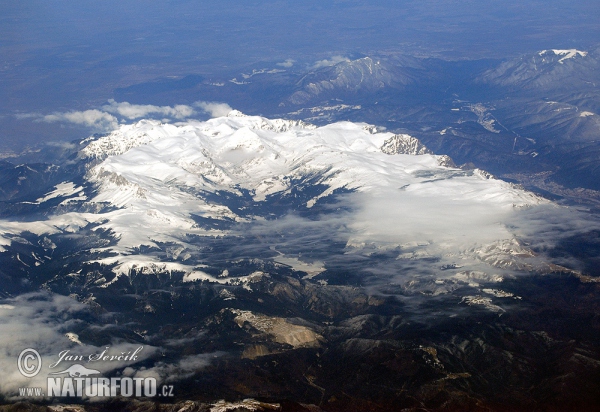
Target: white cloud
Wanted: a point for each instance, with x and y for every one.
(136, 111)
(41, 321)
(330, 62)
(440, 219)
(108, 118)
(214, 109)
(63, 145)
(92, 118)
(288, 63)
(37, 321)
(416, 231)
(25, 116)
(184, 368)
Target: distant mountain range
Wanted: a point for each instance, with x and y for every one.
(548, 70)
(527, 116)
(351, 79)
(536, 113)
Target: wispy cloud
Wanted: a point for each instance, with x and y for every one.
(287, 64)
(171, 372)
(41, 321)
(25, 116)
(92, 118)
(214, 109)
(330, 62)
(137, 111)
(422, 244)
(114, 113)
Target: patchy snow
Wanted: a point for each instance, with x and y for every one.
(73, 337)
(64, 189)
(312, 269)
(482, 301)
(246, 404)
(245, 281)
(500, 293)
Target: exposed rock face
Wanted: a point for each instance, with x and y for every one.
(279, 329)
(404, 144)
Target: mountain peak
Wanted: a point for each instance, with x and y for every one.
(566, 54)
(235, 113)
(404, 144)
(349, 77)
(553, 69)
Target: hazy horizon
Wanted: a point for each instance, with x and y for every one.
(60, 56)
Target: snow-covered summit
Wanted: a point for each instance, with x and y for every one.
(552, 69)
(124, 138)
(566, 54)
(145, 131)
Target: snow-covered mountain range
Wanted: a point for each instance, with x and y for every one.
(159, 192)
(226, 245)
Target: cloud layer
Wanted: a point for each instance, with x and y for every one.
(46, 322)
(137, 111)
(330, 62)
(214, 109)
(92, 118)
(113, 113)
(287, 63)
